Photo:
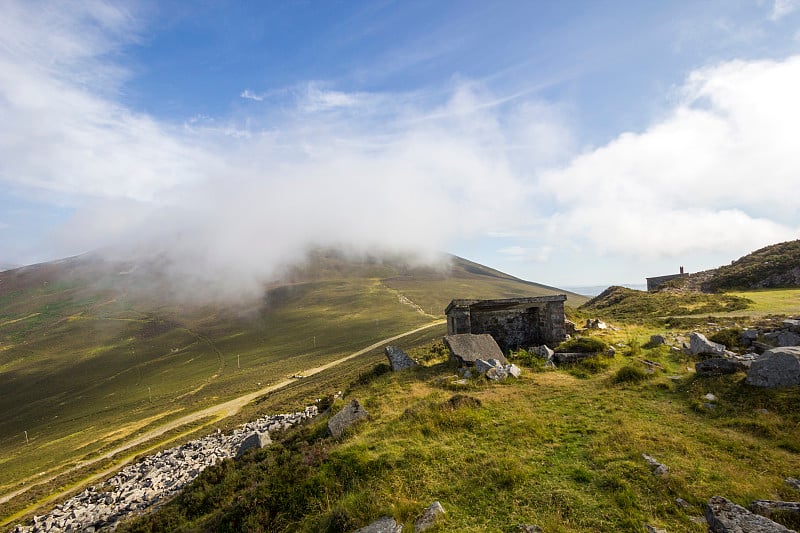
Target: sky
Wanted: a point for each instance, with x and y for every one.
(568, 143)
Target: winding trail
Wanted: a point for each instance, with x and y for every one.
(214, 413)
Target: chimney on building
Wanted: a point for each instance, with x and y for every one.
(681, 270)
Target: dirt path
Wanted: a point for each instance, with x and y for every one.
(216, 413)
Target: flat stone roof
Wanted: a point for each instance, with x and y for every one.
(504, 303)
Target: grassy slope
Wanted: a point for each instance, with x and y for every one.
(88, 358)
(549, 449)
(628, 304)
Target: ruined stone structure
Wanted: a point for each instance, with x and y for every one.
(513, 322)
(655, 283)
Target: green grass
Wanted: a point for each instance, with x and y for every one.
(548, 449)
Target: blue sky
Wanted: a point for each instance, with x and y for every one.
(569, 143)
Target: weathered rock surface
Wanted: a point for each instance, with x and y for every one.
(529, 528)
(657, 340)
(349, 415)
(428, 517)
(398, 359)
(495, 370)
(387, 524)
(467, 348)
(792, 325)
(699, 344)
(767, 507)
(156, 477)
(658, 468)
(778, 367)
(543, 351)
(718, 366)
(254, 440)
(595, 324)
(792, 482)
(571, 357)
(724, 516)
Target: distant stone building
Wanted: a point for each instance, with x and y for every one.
(653, 284)
(512, 322)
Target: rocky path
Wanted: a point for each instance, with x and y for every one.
(214, 414)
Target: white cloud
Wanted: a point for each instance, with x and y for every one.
(719, 173)
(781, 8)
(250, 95)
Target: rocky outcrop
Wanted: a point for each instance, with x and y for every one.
(658, 468)
(778, 367)
(387, 524)
(767, 507)
(724, 516)
(398, 359)
(428, 517)
(719, 366)
(156, 477)
(699, 344)
(349, 415)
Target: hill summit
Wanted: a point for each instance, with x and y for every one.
(772, 267)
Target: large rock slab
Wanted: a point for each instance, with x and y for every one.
(387, 524)
(778, 367)
(349, 415)
(467, 348)
(398, 359)
(699, 344)
(724, 516)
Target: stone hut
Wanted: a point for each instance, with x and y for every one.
(513, 322)
(655, 283)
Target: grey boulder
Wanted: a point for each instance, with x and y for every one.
(387, 524)
(349, 415)
(778, 367)
(724, 516)
(398, 359)
(699, 344)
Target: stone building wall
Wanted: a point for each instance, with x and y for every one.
(513, 323)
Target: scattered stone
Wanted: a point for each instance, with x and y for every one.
(138, 486)
(387, 524)
(571, 357)
(718, 366)
(611, 352)
(467, 348)
(483, 366)
(653, 529)
(767, 507)
(778, 367)
(529, 528)
(349, 415)
(792, 325)
(749, 335)
(460, 382)
(543, 351)
(398, 359)
(709, 406)
(762, 411)
(595, 324)
(724, 516)
(657, 340)
(570, 327)
(683, 504)
(428, 517)
(699, 344)
(710, 397)
(792, 482)
(514, 371)
(788, 338)
(658, 468)
(254, 440)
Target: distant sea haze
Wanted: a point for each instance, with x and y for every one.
(594, 290)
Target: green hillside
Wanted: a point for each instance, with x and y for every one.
(561, 449)
(93, 353)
